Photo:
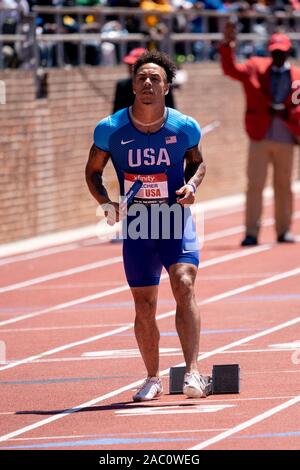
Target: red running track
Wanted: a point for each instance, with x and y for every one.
(66, 324)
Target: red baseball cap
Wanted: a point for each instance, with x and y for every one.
(279, 42)
(134, 55)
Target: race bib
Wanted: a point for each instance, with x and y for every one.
(153, 191)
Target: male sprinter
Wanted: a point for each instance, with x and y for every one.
(151, 142)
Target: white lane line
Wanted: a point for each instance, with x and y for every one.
(47, 241)
(39, 254)
(239, 229)
(233, 256)
(163, 403)
(68, 346)
(19, 249)
(118, 353)
(128, 387)
(68, 272)
(160, 410)
(64, 305)
(60, 274)
(286, 346)
(159, 317)
(51, 328)
(125, 287)
(264, 282)
(225, 400)
(169, 354)
(76, 270)
(138, 433)
(247, 424)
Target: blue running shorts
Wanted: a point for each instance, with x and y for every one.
(145, 258)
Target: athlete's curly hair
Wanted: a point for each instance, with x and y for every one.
(159, 58)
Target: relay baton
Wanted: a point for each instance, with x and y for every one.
(128, 198)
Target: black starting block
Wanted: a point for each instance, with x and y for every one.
(225, 378)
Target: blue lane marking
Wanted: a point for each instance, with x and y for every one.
(228, 330)
(99, 442)
(204, 332)
(253, 298)
(269, 435)
(88, 306)
(265, 298)
(74, 307)
(62, 380)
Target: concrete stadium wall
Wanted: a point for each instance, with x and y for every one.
(44, 143)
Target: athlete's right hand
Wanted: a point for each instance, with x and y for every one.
(112, 212)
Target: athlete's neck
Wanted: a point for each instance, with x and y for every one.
(147, 115)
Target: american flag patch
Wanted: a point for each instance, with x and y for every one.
(171, 139)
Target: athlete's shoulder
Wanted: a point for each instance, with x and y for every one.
(107, 127)
(176, 117)
(188, 125)
(120, 118)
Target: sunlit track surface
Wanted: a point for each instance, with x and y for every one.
(69, 360)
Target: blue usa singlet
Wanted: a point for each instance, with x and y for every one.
(157, 159)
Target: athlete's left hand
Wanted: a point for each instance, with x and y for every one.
(186, 195)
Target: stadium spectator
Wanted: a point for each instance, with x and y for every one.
(273, 125)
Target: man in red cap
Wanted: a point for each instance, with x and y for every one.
(124, 96)
(273, 126)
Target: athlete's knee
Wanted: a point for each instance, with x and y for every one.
(145, 306)
(183, 286)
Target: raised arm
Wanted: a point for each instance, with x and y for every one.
(227, 53)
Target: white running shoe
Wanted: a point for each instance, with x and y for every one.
(151, 388)
(194, 385)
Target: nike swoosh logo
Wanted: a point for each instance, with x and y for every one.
(124, 142)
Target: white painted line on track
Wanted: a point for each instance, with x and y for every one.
(247, 424)
(169, 354)
(128, 387)
(216, 298)
(110, 261)
(52, 328)
(138, 433)
(46, 241)
(38, 254)
(64, 305)
(59, 238)
(125, 287)
(239, 229)
(172, 410)
(264, 282)
(119, 353)
(68, 346)
(166, 403)
(87, 267)
(60, 274)
(285, 346)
